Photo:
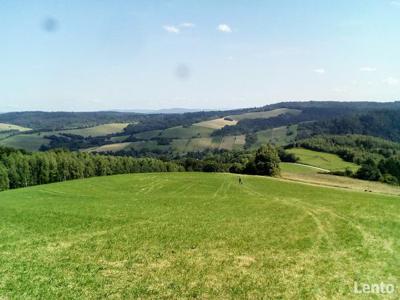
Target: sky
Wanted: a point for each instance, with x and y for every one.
(90, 55)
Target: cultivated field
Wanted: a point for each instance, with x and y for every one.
(101, 130)
(278, 136)
(216, 123)
(193, 235)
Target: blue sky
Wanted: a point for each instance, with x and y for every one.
(103, 54)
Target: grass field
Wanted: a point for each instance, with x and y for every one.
(322, 160)
(101, 130)
(8, 127)
(312, 175)
(28, 142)
(193, 235)
(186, 132)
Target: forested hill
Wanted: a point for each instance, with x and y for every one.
(380, 123)
(336, 105)
(39, 120)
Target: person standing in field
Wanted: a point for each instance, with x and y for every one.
(240, 180)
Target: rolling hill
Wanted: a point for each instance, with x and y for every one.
(195, 235)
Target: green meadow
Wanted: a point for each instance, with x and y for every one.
(327, 161)
(195, 235)
(28, 142)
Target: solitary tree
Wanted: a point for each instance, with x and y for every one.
(267, 161)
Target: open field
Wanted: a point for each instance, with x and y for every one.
(28, 142)
(8, 127)
(216, 123)
(312, 175)
(193, 235)
(322, 160)
(101, 130)
(181, 132)
(264, 114)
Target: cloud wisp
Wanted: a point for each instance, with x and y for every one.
(171, 29)
(320, 71)
(224, 28)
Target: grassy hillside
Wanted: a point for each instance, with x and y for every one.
(8, 127)
(312, 175)
(278, 136)
(194, 235)
(322, 160)
(100, 130)
(28, 142)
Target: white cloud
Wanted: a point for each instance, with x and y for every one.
(391, 81)
(224, 28)
(367, 69)
(171, 29)
(320, 71)
(229, 57)
(187, 25)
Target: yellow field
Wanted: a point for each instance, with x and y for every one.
(216, 123)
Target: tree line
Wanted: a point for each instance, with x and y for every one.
(21, 169)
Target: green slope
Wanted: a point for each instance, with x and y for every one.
(8, 127)
(100, 130)
(194, 235)
(29, 142)
(322, 160)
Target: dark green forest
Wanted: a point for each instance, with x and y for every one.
(380, 123)
(21, 169)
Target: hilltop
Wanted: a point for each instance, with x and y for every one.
(195, 235)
